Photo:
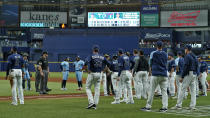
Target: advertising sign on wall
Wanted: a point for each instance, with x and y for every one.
(42, 19)
(113, 19)
(191, 18)
(149, 15)
(8, 15)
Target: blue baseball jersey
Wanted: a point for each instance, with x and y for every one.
(96, 63)
(132, 61)
(171, 64)
(124, 63)
(78, 65)
(180, 63)
(190, 64)
(158, 63)
(15, 61)
(25, 64)
(203, 66)
(65, 66)
(114, 66)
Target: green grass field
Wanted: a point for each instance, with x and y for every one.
(75, 107)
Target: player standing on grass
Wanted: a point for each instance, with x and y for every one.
(125, 77)
(15, 64)
(171, 74)
(65, 70)
(188, 78)
(141, 70)
(95, 65)
(179, 62)
(78, 64)
(158, 63)
(203, 75)
(26, 75)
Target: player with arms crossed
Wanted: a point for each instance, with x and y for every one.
(158, 63)
(15, 64)
(95, 65)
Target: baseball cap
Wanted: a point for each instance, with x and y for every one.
(170, 54)
(44, 52)
(179, 52)
(189, 47)
(25, 54)
(14, 48)
(159, 43)
(106, 55)
(120, 50)
(95, 47)
(78, 56)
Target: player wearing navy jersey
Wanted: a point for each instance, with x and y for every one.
(15, 64)
(94, 65)
(124, 76)
(203, 75)
(179, 62)
(188, 78)
(158, 64)
(114, 68)
(171, 74)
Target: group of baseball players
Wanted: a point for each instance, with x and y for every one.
(158, 74)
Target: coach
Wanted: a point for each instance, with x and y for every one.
(158, 64)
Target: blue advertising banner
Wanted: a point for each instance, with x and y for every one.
(156, 34)
(150, 9)
(8, 15)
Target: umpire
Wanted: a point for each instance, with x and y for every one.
(42, 74)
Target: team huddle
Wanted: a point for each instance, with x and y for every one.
(161, 74)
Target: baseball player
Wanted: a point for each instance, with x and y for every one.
(171, 74)
(43, 68)
(104, 80)
(26, 75)
(125, 77)
(78, 64)
(65, 71)
(133, 60)
(95, 65)
(158, 63)
(188, 78)
(15, 64)
(141, 69)
(114, 68)
(179, 62)
(203, 75)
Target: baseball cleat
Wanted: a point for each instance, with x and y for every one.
(163, 110)
(132, 102)
(62, 89)
(191, 108)
(14, 104)
(91, 106)
(22, 103)
(145, 109)
(176, 108)
(116, 102)
(123, 100)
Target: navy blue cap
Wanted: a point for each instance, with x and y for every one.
(95, 47)
(120, 50)
(159, 43)
(44, 52)
(189, 47)
(170, 54)
(179, 52)
(14, 48)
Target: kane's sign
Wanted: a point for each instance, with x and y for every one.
(42, 19)
(184, 18)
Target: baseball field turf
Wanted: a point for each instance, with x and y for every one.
(75, 107)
